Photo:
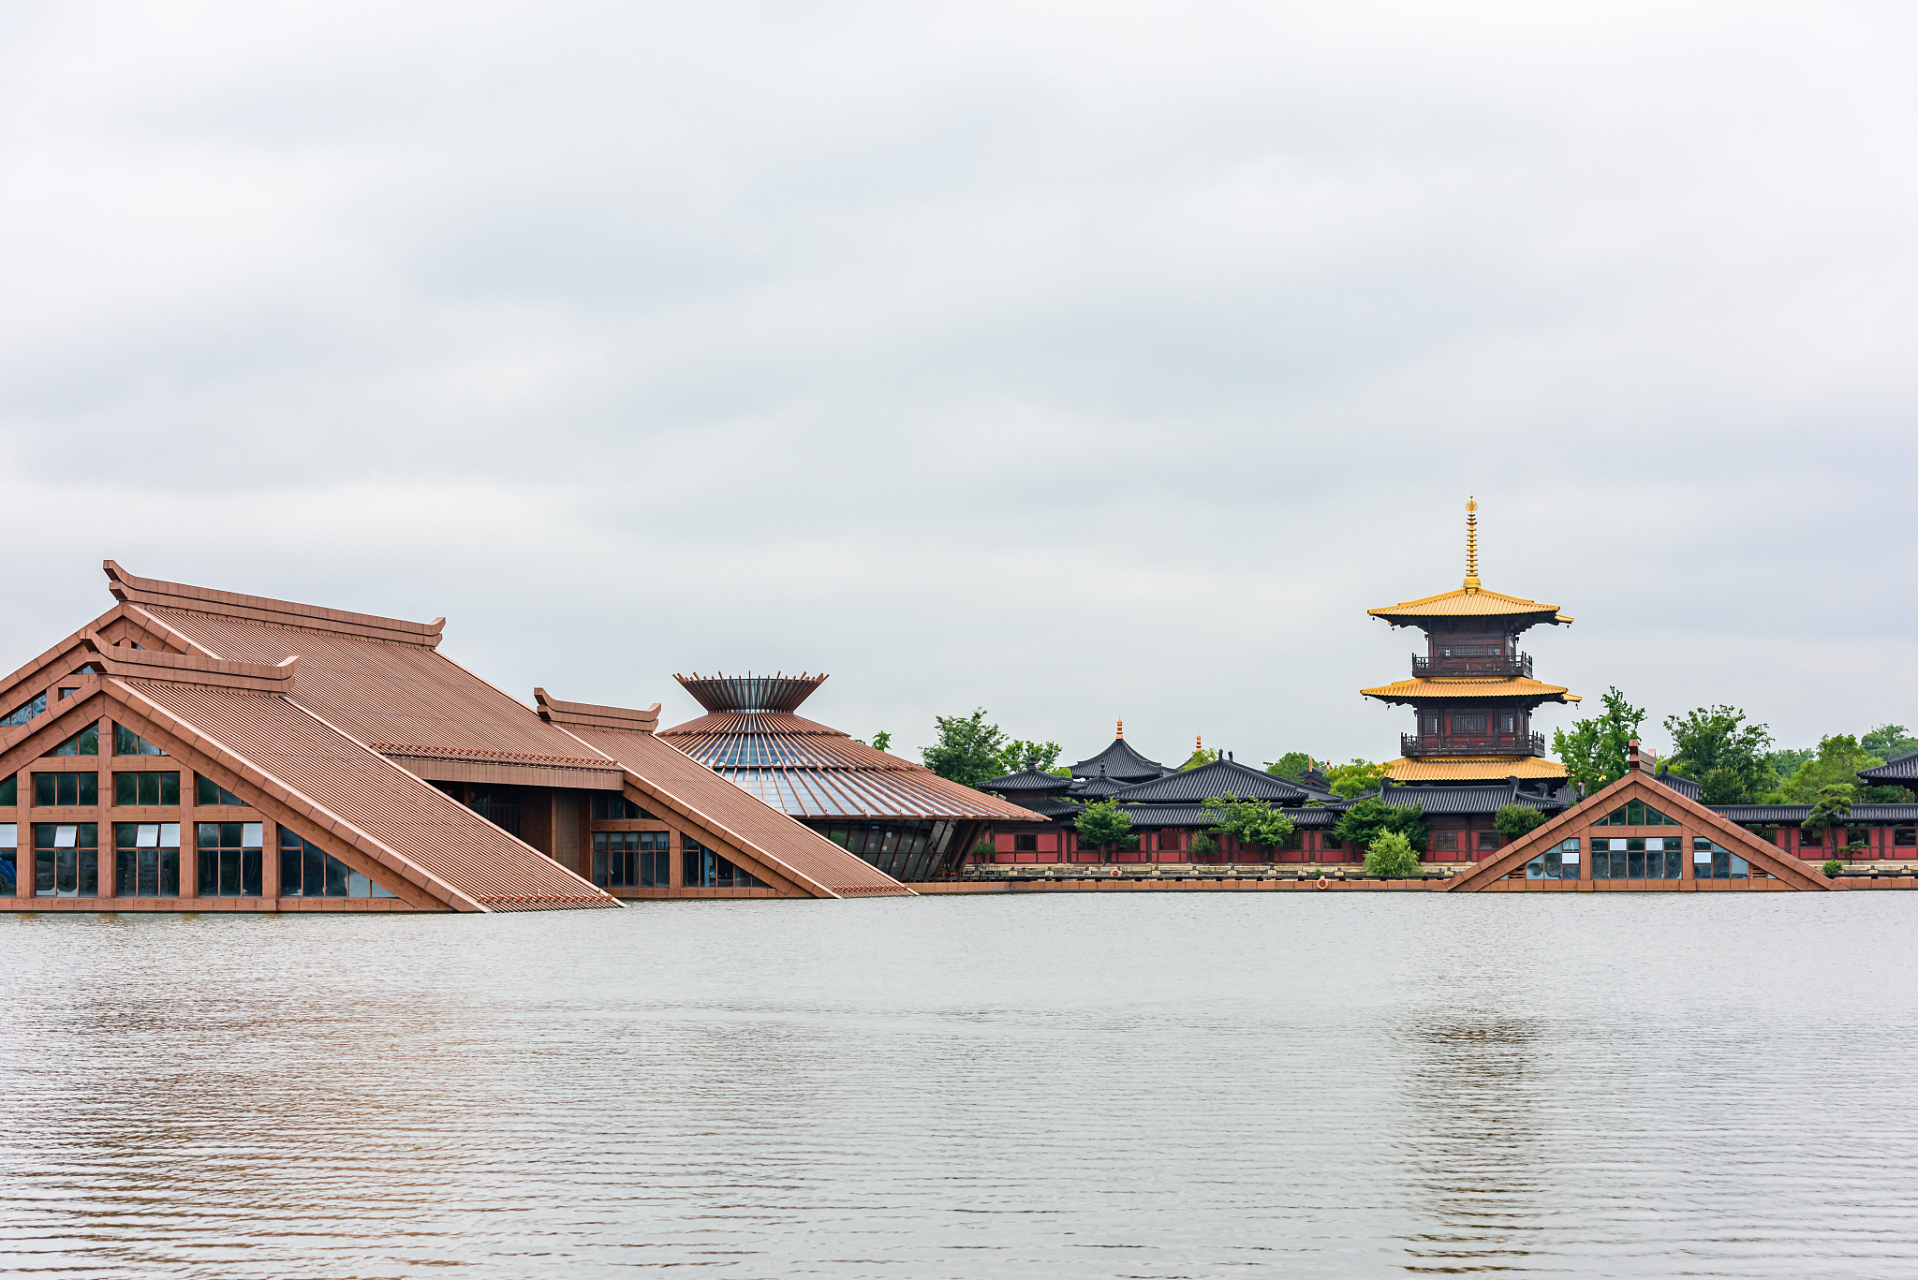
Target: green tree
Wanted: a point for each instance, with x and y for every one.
(1836, 763)
(1391, 854)
(1203, 845)
(968, 749)
(1365, 821)
(1199, 756)
(1724, 755)
(1354, 779)
(1289, 765)
(1516, 820)
(1103, 824)
(1251, 822)
(1594, 751)
(1888, 740)
(1019, 753)
(882, 741)
(1831, 807)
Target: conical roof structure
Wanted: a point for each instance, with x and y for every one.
(751, 737)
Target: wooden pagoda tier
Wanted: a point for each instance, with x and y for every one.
(1471, 692)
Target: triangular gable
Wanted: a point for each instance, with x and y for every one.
(1644, 788)
(334, 791)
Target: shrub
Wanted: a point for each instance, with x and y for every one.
(984, 849)
(1390, 854)
(1251, 822)
(1203, 845)
(1362, 823)
(1102, 823)
(1833, 866)
(1516, 820)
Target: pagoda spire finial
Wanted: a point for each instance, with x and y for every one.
(1122, 728)
(1471, 544)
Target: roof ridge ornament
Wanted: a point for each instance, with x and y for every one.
(1471, 544)
(1121, 730)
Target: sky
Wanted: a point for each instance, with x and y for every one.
(1078, 362)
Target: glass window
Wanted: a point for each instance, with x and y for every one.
(230, 859)
(612, 808)
(56, 790)
(705, 869)
(146, 788)
(1488, 840)
(10, 789)
(1713, 861)
(1811, 837)
(1445, 840)
(146, 859)
(1468, 724)
(1858, 835)
(1635, 814)
(9, 858)
(1025, 844)
(1505, 723)
(128, 743)
(1552, 865)
(84, 743)
(26, 711)
(1901, 837)
(66, 859)
(211, 792)
(1431, 724)
(308, 871)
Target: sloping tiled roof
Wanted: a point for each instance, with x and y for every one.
(1028, 782)
(679, 784)
(1436, 688)
(1470, 602)
(1119, 761)
(1683, 786)
(812, 771)
(1214, 779)
(364, 799)
(1899, 770)
(1148, 816)
(1467, 800)
(1100, 788)
(1790, 815)
(1472, 769)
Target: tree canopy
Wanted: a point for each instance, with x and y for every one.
(1515, 820)
(1594, 751)
(1289, 765)
(1353, 779)
(1250, 821)
(968, 750)
(1714, 747)
(1364, 821)
(1200, 755)
(1391, 854)
(1836, 763)
(1018, 753)
(1103, 823)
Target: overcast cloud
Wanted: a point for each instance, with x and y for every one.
(1077, 362)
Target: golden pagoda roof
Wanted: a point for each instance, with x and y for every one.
(1472, 769)
(1432, 688)
(1472, 600)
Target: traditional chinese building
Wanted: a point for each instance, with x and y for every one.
(1471, 692)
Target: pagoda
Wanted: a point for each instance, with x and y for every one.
(1472, 693)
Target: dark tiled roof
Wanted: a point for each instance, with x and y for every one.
(1027, 782)
(1215, 779)
(1785, 815)
(1102, 787)
(1120, 761)
(1683, 786)
(1898, 769)
(1197, 815)
(1471, 800)
(1050, 807)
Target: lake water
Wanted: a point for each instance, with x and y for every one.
(1048, 1086)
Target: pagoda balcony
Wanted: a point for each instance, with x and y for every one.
(1519, 664)
(1491, 744)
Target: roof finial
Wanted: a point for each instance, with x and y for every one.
(1198, 743)
(1122, 728)
(1471, 544)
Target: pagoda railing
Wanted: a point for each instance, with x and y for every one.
(1517, 665)
(1496, 744)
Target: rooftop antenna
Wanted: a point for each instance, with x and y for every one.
(1471, 544)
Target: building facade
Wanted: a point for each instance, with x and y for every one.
(193, 749)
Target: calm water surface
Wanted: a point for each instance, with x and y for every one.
(1150, 1086)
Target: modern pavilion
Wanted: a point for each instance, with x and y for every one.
(901, 817)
